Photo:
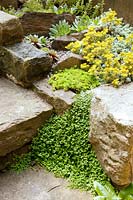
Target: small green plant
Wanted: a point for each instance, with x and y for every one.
(21, 162)
(60, 29)
(127, 193)
(107, 192)
(37, 41)
(74, 79)
(89, 8)
(33, 6)
(80, 23)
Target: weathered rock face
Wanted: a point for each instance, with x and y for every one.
(10, 29)
(59, 99)
(21, 113)
(40, 23)
(24, 63)
(111, 131)
(68, 60)
(60, 43)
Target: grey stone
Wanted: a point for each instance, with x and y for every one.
(59, 99)
(21, 113)
(68, 60)
(111, 131)
(60, 43)
(40, 23)
(37, 184)
(10, 29)
(24, 63)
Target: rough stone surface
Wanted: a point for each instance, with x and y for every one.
(21, 113)
(79, 35)
(112, 131)
(59, 99)
(40, 23)
(37, 184)
(10, 29)
(24, 63)
(60, 43)
(68, 60)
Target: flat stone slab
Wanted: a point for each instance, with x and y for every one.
(111, 131)
(24, 63)
(21, 113)
(60, 100)
(11, 30)
(37, 184)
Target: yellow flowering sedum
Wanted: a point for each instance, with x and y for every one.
(96, 48)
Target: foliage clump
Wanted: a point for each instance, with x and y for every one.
(108, 52)
(73, 79)
(60, 29)
(62, 146)
(107, 192)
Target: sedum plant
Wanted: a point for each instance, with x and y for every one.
(73, 79)
(109, 56)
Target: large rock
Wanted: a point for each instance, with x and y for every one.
(40, 23)
(111, 131)
(10, 29)
(24, 63)
(68, 60)
(21, 113)
(59, 99)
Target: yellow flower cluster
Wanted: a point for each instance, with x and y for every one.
(110, 17)
(96, 49)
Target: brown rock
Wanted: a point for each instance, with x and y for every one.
(40, 23)
(68, 60)
(111, 131)
(60, 43)
(21, 113)
(59, 99)
(10, 29)
(79, 35)
(24, 63)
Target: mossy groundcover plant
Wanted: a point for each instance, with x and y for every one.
(73, 79)
(62, 146)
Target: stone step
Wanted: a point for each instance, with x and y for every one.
(11, 30)
(22, 112)
(60, 100)
(24, 63)
(37, 184)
